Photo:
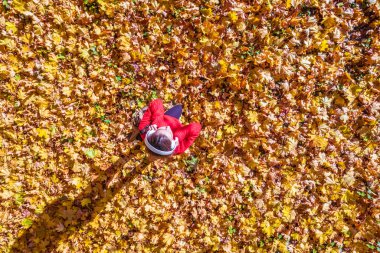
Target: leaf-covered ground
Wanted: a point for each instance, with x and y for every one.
(287, 93)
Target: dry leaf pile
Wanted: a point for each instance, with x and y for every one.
(287, 93)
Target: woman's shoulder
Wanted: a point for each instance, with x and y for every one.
(193, 127)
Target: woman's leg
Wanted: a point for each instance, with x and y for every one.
(175, 111)
(137, 116)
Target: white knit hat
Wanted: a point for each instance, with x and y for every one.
(157, 151)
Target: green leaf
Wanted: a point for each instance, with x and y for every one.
(91, 153)
(361, 193)
(26, 223)
(201, 189)
(370, 246)
(140, 103)
(61, 56)
(154, 94)
(39, 209)
(19, 198)
(98, 108)
(231, 230)
(17, 77)
(118, 78)
(93, 50)
(169, 28)
(193, 161)
(5, 4)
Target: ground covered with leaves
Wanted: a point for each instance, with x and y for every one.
(287, 94)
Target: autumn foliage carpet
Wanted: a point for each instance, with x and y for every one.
(287, 93)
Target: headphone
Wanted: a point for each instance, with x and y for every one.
(173, 145)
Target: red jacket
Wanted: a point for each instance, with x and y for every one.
(155, 115)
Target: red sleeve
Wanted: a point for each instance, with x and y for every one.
(187, 137)
(155, 110)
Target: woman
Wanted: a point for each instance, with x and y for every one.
(162, 132)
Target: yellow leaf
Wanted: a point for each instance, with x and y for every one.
(319, 141)
(223, 66)
(203, 40)
(94, 224)
(252, 116)
(85, 202)
(206, 11)
(114, 159)
(42, 132)
(287, 213)
(267, 228)
(25, 49)
(77, 181)
(288, 4)
(10, 135)
(56, 38)
(54, 179)
(269, 5)
(42, 154)
(18, 5)
(168, 96)
(233, 16)
(345, 196)
(166, 39)
(324, 45)
(234, 67)
(341, 165)
(328, 22)
(230, 129)
(219, 134)
(127, 81)
(66, 91)
(84, 54)
(295, 236)
(102, 4)
(10, 27)
(145, 49)
(168, 239)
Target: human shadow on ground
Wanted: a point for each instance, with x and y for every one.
(65, 216)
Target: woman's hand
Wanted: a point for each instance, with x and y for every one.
(152, 127)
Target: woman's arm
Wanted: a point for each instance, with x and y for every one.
(155, 109)
(187, 136)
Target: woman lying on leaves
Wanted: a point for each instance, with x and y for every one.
(162, 132)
